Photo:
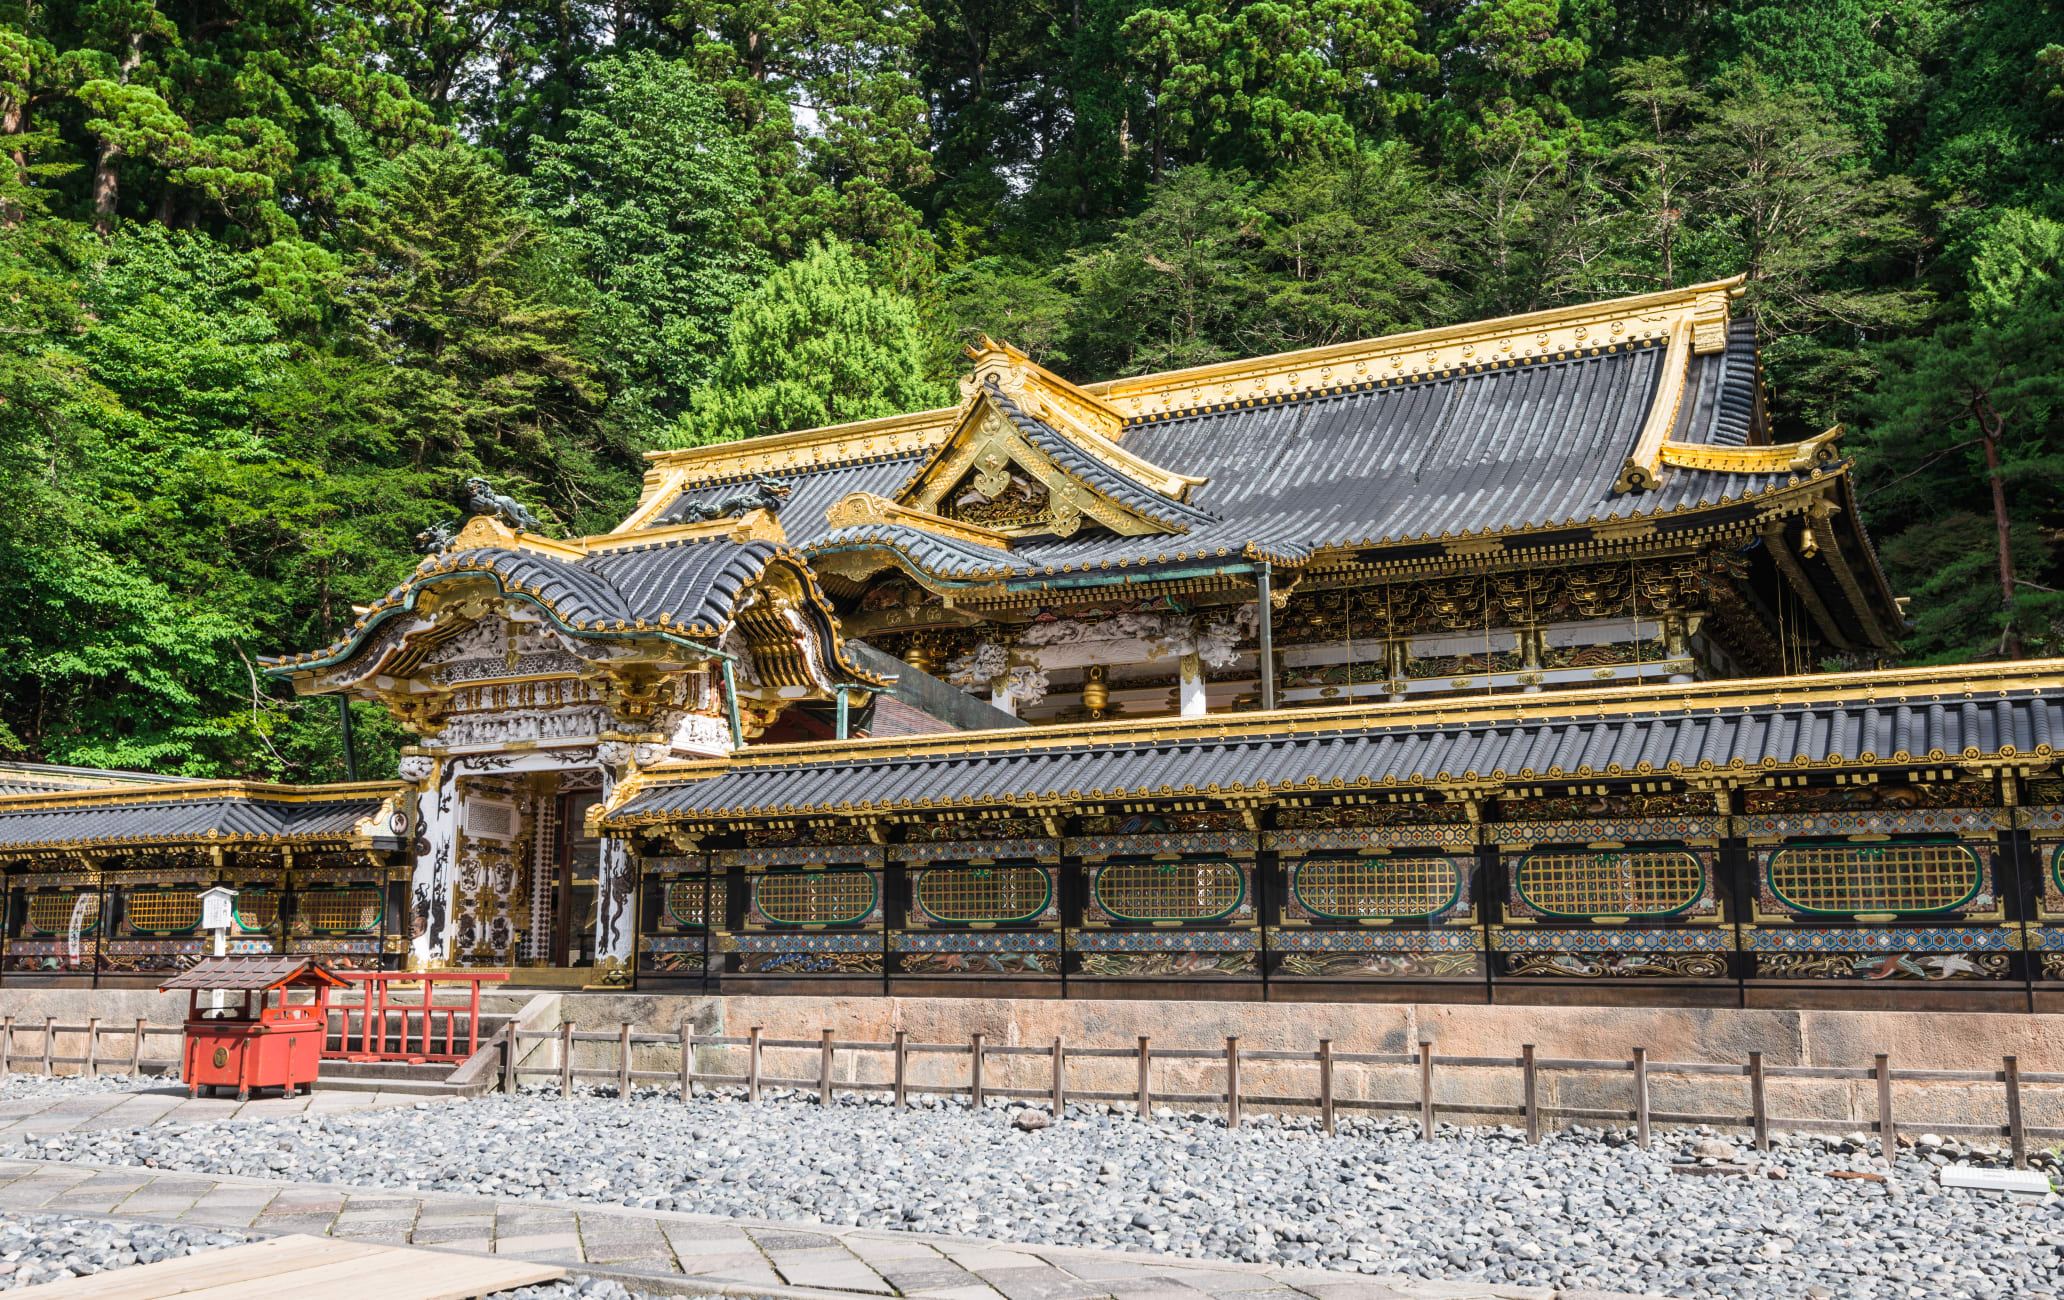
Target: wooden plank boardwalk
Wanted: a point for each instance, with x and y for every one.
(308, 1268)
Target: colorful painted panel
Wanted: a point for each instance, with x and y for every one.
(1172, 954)
(689, 902)
(1356, 889)
(64, 913)
(1230, 843)
(1901, 877)
(806, 856)
(1457, 837)
(677, 955)
(1938, 877)
(1649, 883)
(151, 956)
(1612, 953)
(1159, 892)
(161, 912)
(806, 954)
(839, 896)
(964, 953)
(1379, 954)
(1606, 828)
(1931, 953)
(2044, 817)
(353, 909)
(256, 909)
(962, 850)
(1925, 821)
(983, 895)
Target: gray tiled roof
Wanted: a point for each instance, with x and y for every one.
(1492, 450)
(42, 778)
(1364, 751)
(216, 819)
(695, 582)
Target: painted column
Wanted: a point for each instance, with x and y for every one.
(1192, 686)
(616, 884)
(436, 848)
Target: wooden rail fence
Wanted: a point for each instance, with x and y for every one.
(41, 1057)
(1059, 1054)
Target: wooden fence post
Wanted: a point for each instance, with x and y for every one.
(135, 1056)
(975, 1073)
(2017, 1134)
(565, 1058)
(752, 1065)
(1425, 1091)
(1530, 1084)
(824, 1072)
(902, 1065)
(1060, 1078)
(6, 1044)
(1232, 1082)
(1759, 1102)
(515, 1045)
(1146, 1081)
(49, 1043)
(623, 1064)
(687, 1064)
(92, 1047)
(1326, 1084)
(1641, 1096)
(1888, 1133)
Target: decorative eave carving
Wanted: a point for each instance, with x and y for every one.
(1795, 457)
(483, 531)
(867, 508)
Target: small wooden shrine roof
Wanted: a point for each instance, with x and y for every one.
(247, 973)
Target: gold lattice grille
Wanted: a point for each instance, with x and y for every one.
(1874, 877)
(1352, 888)
(1615, 883)
(163, 911)
(983, 893)
(341, 911)
(1170, 891)
(815, 897)
(53, 913)
(256, 909)
(684, 900)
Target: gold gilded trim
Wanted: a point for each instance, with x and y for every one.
(1580, 329)
(804, 449)
(1795, 457)
(866, 508)
(1641, 471)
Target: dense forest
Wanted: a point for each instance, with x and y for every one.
(277, 273)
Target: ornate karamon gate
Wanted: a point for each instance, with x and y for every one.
(1474, 663)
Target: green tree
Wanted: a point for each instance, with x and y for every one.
(652, 187)
(818, 342)
(1966, 447)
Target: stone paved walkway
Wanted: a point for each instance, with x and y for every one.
(169, 1104)
(701, 1253)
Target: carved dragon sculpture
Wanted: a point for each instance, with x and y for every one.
(764, 494)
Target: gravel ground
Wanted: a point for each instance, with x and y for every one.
(14, 1086)
(1582, 1209)
(37, 1248)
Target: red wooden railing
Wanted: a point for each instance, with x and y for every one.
(376, 1041)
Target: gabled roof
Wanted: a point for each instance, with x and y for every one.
(41, 778)
(248, 973)
(1746, 727)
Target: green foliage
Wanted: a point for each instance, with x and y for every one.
(819, 342)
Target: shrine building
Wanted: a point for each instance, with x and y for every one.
(1501, 662)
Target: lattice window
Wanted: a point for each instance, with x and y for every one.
(256, 910)
(986, 894)
(1910, 877)
(683, 899)
(355, 910)
(1170, 891)
(1347, 889)
(58, 913)
(163, 911)
(1653, 882)
(815, 897)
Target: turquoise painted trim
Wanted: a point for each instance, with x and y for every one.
(1454, 897)
(233, 909)
(162, 934)
(1977, 877)
(1704, 882)
(707, 893)
(917, 896)
(1096, 886)
(873, 884)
